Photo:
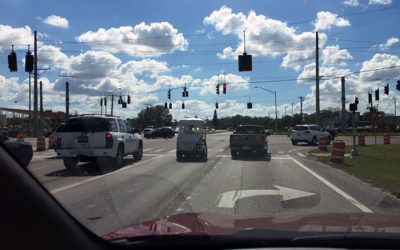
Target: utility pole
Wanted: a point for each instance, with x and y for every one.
(35, 87)
(343, 116)
(40, 106)
(301, 108)
(317, 113)
(285, 110)
(395, 114)
(66, 101)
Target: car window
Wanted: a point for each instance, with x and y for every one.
(121, 126)
(128, 127)
(300, 128)
(87, 124)
(113, 125)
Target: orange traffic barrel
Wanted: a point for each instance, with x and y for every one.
(323, 142)
(20, 137)
(386, 138)
(361, 139)
(41, 143)
(338, 151)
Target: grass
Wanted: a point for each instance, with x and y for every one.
(378, 165)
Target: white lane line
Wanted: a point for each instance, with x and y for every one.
(54, 191)
(172, 151)
(349, 198)
(147, 149)
(295, 149)
(281, 152)
(159, 150)
(301, 154)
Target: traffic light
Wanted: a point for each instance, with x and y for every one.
(124, 105)
(377, 95)
(369, 98)
(129, 99)
(183, 105)
(12, 61)
(105, 101)
(169, 94)
(28, 62)
(101, 102)
(386, 89)
(165, 105)
(170, 106)
(224, 88)
(356, 101)
(216, 105)
(217, 89)
(398, 85)
(185, 93)
(249, 105)
(120, 100)
(245, 62)
(353, 107)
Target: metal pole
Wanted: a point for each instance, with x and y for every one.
(276, 113)
(35, 87)
(317, 80)
(40, 106)
(66, 101)
(30, 102)
(301, 108)
(343, 118)
(292, 108)
(395, 114)
(101, 106)
(354, 150)
(285, 110)
(112, 104)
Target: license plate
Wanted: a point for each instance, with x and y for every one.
(83, 139)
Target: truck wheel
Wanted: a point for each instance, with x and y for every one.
(119, 158)
(70, 163)
(313, 141)
(139, 154)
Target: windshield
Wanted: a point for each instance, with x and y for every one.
(207, 117)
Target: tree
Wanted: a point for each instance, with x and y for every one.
(215, 119)
(155, 116)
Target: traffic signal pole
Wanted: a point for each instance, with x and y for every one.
(35, 87)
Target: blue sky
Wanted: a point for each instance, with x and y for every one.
(146, 47)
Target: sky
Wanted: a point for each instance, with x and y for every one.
(145, 48)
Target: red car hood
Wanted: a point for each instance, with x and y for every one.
(217, 224)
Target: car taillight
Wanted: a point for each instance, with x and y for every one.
(109, 140)
(306, 132)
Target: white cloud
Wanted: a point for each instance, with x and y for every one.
(389, 43)
(332, 55)
(264, 36)
(56, 21)
(325, 20)
(351, 3)
(51, 56)
(146, 65)
(379, 61)
(227, 53)
(141, 40)
(21, 37)
(381, 2)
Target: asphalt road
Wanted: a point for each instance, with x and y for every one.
(287, 181)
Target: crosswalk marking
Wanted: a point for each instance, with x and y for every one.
(172, 151)
(147, 149)
(300, 154)
(158, 150)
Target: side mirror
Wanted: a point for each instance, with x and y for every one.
(135, 131)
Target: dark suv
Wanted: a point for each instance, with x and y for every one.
(164, 132)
